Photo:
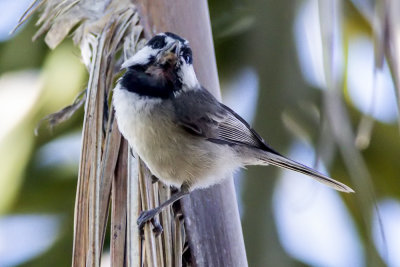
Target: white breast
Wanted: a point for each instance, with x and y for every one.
(170, 153)
(145, 124)
(134, 117)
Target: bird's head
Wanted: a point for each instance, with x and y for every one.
(166, 56)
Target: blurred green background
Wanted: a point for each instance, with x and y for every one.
(270, 63)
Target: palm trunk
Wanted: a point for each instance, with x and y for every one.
(211, 216)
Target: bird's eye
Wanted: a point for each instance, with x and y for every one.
(157, 42)
(187, 55)
(187, 59)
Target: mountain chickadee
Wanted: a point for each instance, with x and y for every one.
(186, 137)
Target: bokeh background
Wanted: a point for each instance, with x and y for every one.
(273, 66)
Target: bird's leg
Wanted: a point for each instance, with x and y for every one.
(148, 215)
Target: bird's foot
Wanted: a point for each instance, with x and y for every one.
(157, 227)
(149, 216)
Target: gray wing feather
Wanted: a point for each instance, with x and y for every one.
(199, 113)
(231, 129)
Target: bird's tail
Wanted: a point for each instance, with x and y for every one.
(281, 161)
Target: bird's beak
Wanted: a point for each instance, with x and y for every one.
(173, 48)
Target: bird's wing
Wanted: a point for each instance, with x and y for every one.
(199, 113)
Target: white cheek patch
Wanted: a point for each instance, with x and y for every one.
(140, 58)
(188, 76)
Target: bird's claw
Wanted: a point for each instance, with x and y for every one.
(146, 216)
(157, 227)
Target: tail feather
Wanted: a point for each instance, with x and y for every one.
(281, 161)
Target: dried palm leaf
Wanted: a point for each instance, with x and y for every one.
(102, 29)
(63, 114)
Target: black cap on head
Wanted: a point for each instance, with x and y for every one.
(176, 37)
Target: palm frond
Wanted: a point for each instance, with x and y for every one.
(107, 172)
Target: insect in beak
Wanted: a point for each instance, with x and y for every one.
(174, 48)
(170, 51)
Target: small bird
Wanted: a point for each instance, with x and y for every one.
(186, 137)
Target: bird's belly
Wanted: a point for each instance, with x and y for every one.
(175, 157)
(170, 153)
(161, 152)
